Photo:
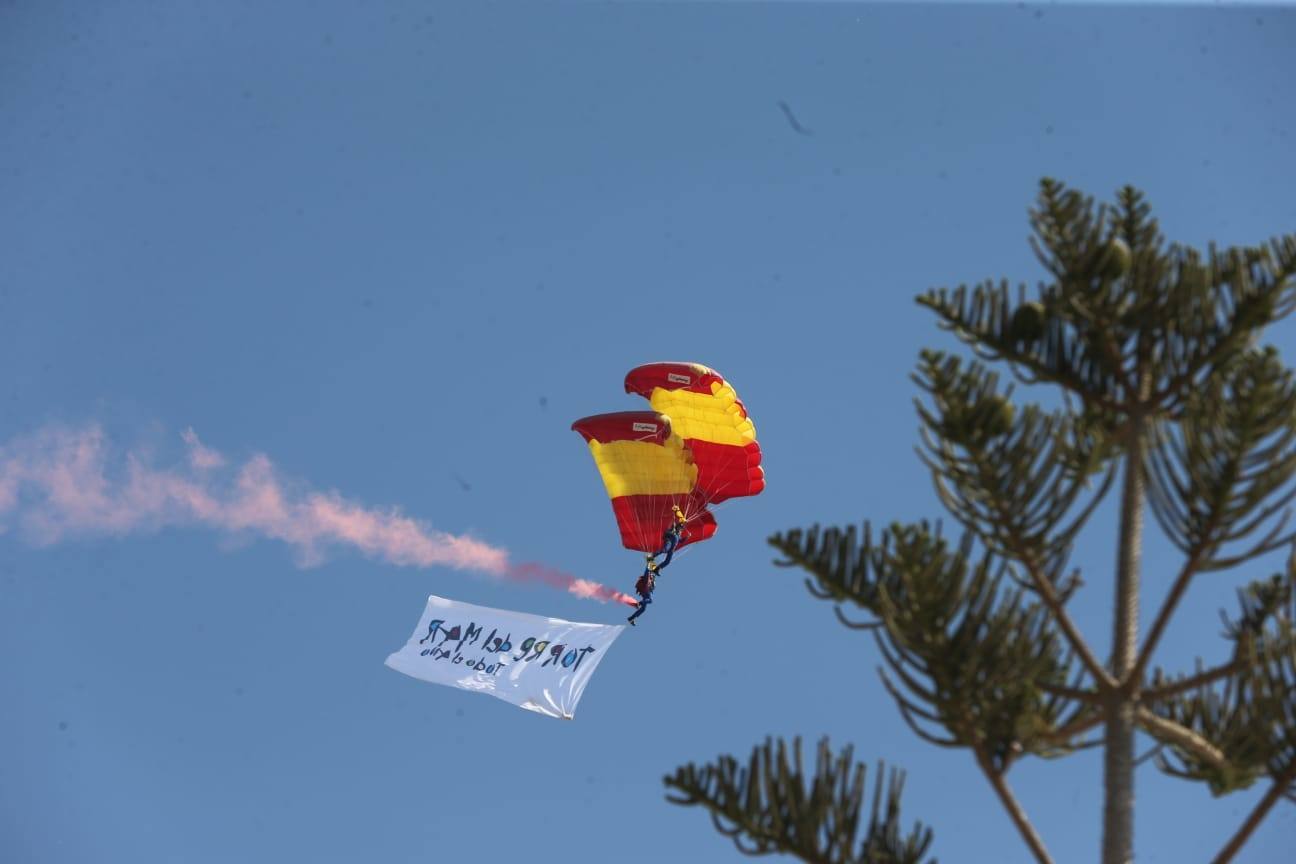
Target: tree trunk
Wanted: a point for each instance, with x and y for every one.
(1118, 757)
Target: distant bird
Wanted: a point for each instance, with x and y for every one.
(463, 484)
(792, 120)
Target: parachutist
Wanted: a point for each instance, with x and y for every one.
(644, 587)
(671, 538)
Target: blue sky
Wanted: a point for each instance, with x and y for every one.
(396, 248)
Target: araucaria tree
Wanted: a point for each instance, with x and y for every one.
(1171, 402)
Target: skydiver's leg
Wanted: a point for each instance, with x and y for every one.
(668, 545)
(669, 549)
(639, 610)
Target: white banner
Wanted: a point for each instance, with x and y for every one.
(537, 663)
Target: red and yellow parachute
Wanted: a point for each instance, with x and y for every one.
(697, 447)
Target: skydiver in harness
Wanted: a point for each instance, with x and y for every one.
(644, 587)
(671, 538)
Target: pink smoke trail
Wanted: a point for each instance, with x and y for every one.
(57, 484)
(533, 572)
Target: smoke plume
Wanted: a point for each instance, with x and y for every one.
(63, 483)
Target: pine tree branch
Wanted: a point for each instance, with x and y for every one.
(1013, 481)
(1272, 541)
(1277, 790)
(1172, 733)
(1044, 587)
(849, 624)
(908, 711)
(1210, 676)
(771, 805)
(1078, 725)
(955, 316)
(1283, 269)
(1235, 447)
(1253, 720)
(1015, 811)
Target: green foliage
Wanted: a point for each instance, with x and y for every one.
(1012, 483)
(1251, 715)
(1156, 350)
(964, 653)
(771, 806)
(1217, 474)
(1172, 316)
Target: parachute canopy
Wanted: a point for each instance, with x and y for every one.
(696, 448)
(647, 473)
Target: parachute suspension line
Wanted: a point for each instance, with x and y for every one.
(707, 504)
(645, 519)
(683, 503)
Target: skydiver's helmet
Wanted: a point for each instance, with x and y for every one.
(651, 563)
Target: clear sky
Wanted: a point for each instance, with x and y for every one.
(390, 250)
